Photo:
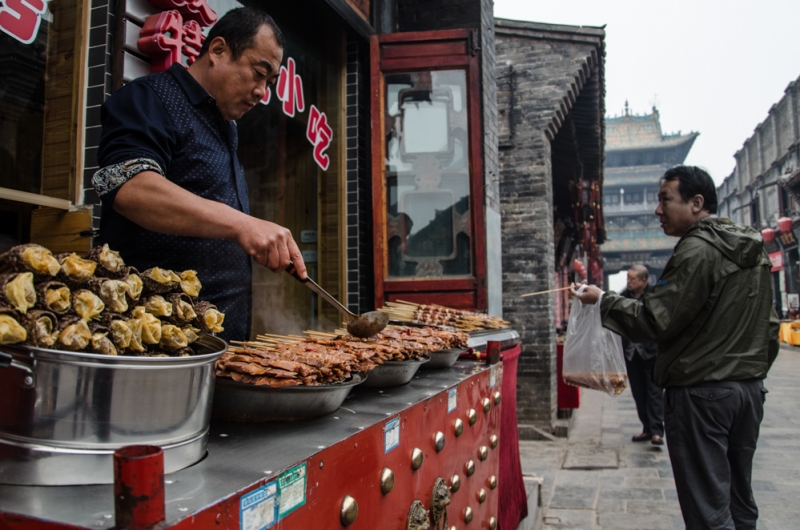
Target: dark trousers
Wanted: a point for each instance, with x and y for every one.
(648, 397)
(712, 430)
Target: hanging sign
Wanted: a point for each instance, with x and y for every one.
(21, 18)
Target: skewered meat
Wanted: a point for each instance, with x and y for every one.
(75, 269)
(31, 258)
(109, 262)
(208, 319)
(17, 290)
(53, 296)
(159, 281)
(74, 333)
(11, 331)
(190, 283)
(42, 327)
(86, 304)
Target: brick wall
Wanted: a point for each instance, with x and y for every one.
(543, 73)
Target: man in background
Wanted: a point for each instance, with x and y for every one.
(640, 358)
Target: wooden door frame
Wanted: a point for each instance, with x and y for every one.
(429, 50)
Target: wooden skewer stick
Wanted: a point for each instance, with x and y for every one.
(545, 292)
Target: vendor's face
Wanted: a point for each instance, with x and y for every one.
(636, 283)
(675, 214)
(244, 80)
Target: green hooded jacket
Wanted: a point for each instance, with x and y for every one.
(711, 312)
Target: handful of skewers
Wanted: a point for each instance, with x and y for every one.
(97, 304)
(324, 358)
(437, 315)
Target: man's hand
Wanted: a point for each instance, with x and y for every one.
(270, 245)
(155, 203)
(589, 296)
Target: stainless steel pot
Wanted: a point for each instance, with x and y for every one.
(63, 414)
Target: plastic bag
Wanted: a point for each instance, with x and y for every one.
(593, 354)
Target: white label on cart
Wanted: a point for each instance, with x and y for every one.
(292, 486)
(452, 399)
(258, 510)
(391, 434)
(493, 376)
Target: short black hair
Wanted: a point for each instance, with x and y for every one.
(239, 28)
(692, 181)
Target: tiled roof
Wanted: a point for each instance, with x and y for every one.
(639, 241)
(630, 175)
(641, 132)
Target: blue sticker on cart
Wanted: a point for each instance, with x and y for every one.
(391, 434)
(258, 509)
(291, 490)
(452, 399)
(493, 376)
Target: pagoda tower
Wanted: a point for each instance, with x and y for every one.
(637, 155)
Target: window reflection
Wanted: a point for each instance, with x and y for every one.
(427, 174)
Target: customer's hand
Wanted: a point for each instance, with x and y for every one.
(590, 294)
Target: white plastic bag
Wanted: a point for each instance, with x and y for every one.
(592, 354)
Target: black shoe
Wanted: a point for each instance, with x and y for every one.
(642, 437)
(657, 440)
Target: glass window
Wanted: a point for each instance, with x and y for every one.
(38, 103)
(652, 195)
(427, 174)
(633, 197)
(611, 199)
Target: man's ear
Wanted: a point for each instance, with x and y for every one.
(697, 203)
(217, 49)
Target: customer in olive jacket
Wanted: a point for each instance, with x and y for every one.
(712, 316)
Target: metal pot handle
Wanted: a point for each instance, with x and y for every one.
(6, 360)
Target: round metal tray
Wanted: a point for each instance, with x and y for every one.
(244, 402)
(442, 359)
(393, 373)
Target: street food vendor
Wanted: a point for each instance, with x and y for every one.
(173, 191)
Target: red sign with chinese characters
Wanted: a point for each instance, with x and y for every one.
(21, 18)
(176, 32)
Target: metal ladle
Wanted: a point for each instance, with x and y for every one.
(362, 326)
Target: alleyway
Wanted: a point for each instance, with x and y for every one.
(599, 479)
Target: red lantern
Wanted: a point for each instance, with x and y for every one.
(785, 225)
(768, 234)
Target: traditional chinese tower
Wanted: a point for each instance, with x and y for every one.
(637, 155)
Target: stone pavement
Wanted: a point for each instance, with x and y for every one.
(599, 479)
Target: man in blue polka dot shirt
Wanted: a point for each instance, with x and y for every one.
(173, 191)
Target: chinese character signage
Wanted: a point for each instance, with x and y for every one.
(21, 18)
(176, 32)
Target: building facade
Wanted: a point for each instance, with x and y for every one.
(637, 155)
(550, 107)
(763, 191)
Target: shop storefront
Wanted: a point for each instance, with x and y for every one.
(370, 149)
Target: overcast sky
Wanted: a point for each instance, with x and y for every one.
(711, 66)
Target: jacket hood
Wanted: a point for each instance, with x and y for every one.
(738, 243)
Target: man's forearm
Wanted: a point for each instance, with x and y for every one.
(159, 205)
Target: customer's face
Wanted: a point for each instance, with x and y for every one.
(676, 216)
(244, 80)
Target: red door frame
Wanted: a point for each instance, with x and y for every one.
(397, 52)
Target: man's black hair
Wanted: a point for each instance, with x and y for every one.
(239, 28)
(692, 181)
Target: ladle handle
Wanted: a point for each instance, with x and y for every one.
(291, 269)
(311, 284)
